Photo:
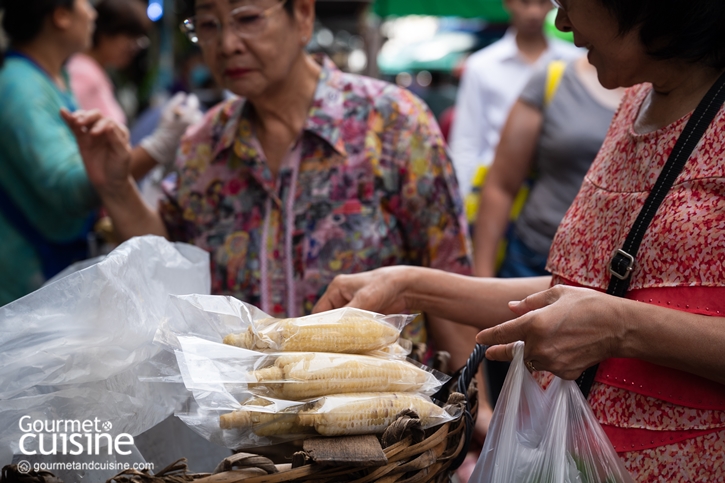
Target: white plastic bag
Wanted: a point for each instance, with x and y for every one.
(550, 436)
(76, 348)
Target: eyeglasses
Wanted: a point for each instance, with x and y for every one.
(247, 21)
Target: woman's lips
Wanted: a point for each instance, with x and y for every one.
(236, 72)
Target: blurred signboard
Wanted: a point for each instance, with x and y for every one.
(489, 10)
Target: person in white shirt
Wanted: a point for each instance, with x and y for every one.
(492, 81)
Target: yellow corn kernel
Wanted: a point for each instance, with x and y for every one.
(369, 413)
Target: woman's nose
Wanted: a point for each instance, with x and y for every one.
(231, 43)
(562, 21)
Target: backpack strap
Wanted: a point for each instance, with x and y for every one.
(554, 73)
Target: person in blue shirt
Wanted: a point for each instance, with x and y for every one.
(46, 201)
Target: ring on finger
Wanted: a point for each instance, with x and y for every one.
(530, 366)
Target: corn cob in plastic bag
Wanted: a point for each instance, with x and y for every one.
(228, 320)
(297, 376)
(369, 413)
(347, 414)
(346, 330)
(253, 416)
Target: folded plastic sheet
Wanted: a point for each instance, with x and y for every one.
(82, 347)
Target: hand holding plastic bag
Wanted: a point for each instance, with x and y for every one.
(550, 436)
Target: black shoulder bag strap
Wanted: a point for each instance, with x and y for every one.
(623, 262)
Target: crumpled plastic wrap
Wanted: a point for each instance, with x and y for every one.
(82, 346)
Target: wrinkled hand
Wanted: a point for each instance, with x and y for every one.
(104, 147)
(379, 291)
(566, 330)
(179, 113)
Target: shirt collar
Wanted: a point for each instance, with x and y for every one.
(324, 118)
(328, 109)
(511, 49)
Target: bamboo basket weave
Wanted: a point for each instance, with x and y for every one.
(413, 455)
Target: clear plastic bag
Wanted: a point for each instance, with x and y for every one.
(302, 375)
(228, 320)
(550, 436)
(76, 348)
(262, 421)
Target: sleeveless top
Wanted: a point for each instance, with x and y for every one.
(679, 266)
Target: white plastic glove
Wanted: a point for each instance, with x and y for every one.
(179, 113)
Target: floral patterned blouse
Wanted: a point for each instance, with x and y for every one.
(665, 424)
(368, 184)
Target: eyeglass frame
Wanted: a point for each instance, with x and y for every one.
(265, 14)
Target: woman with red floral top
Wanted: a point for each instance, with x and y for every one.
(660, 388)
(308, 174)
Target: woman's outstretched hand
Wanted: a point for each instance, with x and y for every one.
(566, 330)
(104, 147)
(380, 290)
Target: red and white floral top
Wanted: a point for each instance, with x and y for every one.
(667, 425)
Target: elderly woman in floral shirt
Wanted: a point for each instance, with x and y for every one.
(310, 173)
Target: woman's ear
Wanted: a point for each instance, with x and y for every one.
(304, 13)
(61, 18)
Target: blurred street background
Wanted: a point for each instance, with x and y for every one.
(418, 44)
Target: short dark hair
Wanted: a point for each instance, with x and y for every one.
(690, 30)
(116, 17)
(23, 19)
(188, 9)
(289, 6)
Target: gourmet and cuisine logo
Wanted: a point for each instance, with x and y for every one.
(71, 437)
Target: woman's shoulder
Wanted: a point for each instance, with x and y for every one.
(216, 120)
(382, 96)
(19, 77)
(26, 93)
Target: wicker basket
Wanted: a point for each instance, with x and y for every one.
(410, 454)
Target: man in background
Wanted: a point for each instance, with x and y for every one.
(492, 81)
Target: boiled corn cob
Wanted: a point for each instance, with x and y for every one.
(399, 350)
(269, 379)
(248, 339)
(368, 413)
(352, 332)
(262, 424)
(312, 375)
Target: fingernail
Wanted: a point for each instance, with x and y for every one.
(514, 303)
